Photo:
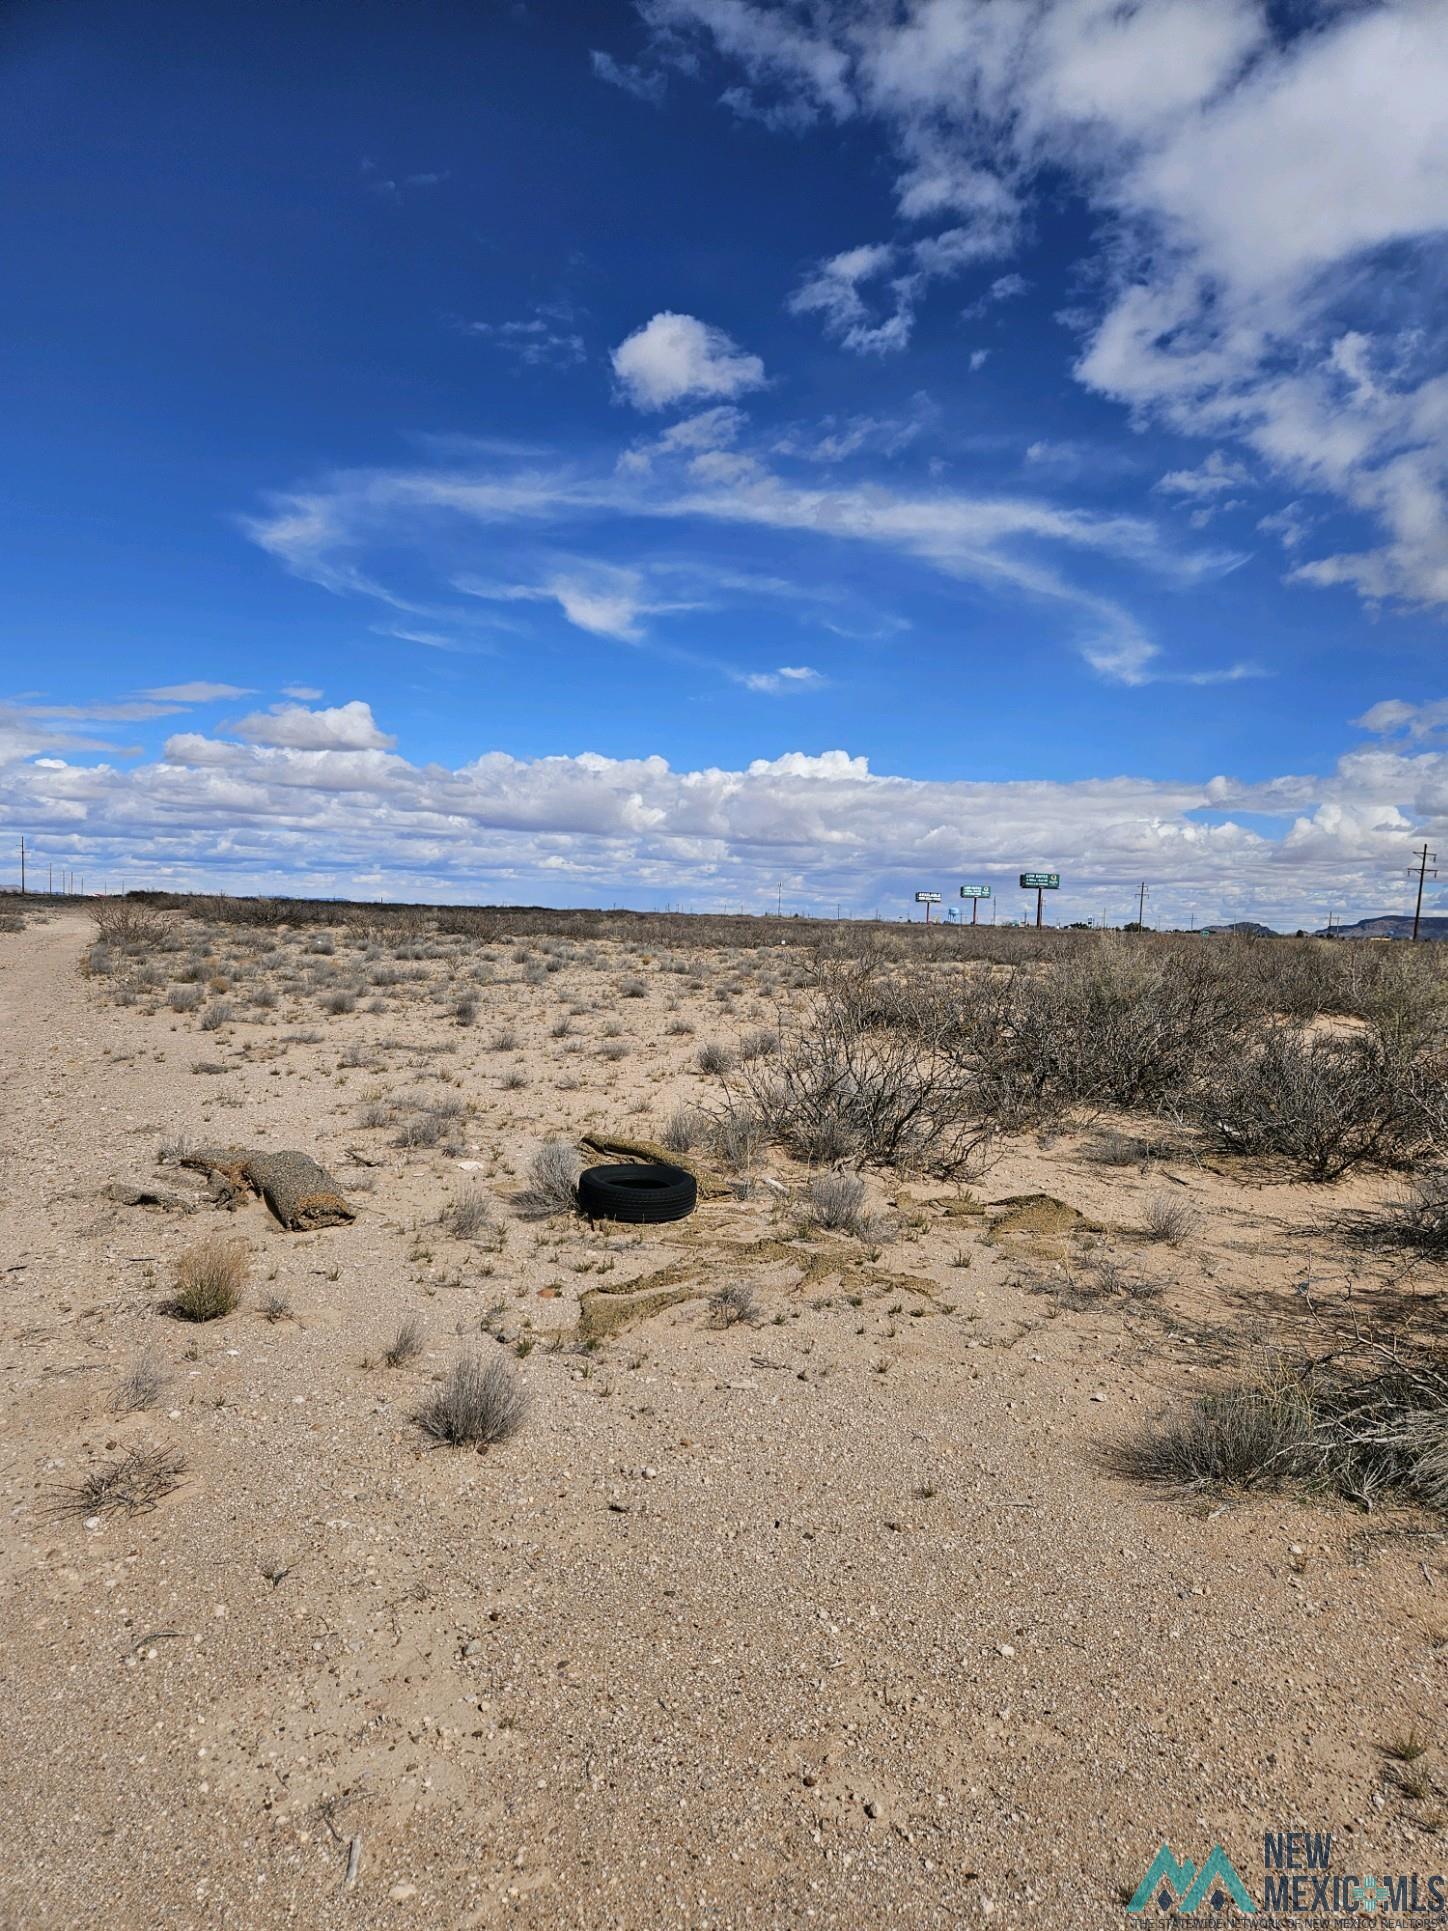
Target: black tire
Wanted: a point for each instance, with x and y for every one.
(642, 1193)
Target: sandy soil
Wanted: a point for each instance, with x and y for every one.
(834, 1618)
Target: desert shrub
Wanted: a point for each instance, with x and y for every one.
(1118, 1028)
(209, 1279)
(184, 998)
(714, 1059)
(738, 1135)
(406, 1344)
(336, 1003)
(552, 1186)
(1323, 1103)
(216, 1015)
(504, 1042)
(124, 922)
(1169, 1220)
(758, 1043)
(869, 1068)
(1420, 1222)
(634, 989)
(1253, 1435)
(477, 1405)
(1362, 1428)
(837, 1201)
(468, 1214)
(731, 1303)
(465, 1010)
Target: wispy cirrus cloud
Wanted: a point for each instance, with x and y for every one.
(697, 472)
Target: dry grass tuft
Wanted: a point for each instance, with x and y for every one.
(1170, 1221)
(476, 1406)
(552, 1180)
(406, 1345)
(837, 1201)
(209, 1280)
(140, 1387)
(130, 1485)
(468, 1215)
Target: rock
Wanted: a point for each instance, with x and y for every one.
(132, 1193)
(400, 1893)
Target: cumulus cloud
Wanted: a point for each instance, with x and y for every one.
(351, 814)
(345, 727)
(1250, 185)
(674, 357)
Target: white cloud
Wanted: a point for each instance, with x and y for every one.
(673, 357)
(1008, 543)
(779, 683)
(350, 814)
(199, 692)
(303, 693)
(604, 599)
(1216, 475)
(548, 338)
(1268, 189)
(644, 84)
(345, 727)
(1393, 716)
(834, 291)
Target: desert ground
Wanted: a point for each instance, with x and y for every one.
(828, 1601)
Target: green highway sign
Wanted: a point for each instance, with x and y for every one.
(975, 891)
(1040, 881)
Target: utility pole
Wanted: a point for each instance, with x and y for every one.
(22, 864)
(1141, 908)
(779, 901)
(1423, 857)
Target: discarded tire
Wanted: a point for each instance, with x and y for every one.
(637, 1192)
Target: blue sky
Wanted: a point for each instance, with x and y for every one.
(643, 453)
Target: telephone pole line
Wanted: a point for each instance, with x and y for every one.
(1141, 908)
(1423, 872)
(22, 864)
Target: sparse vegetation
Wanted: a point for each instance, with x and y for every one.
(140, 1386)
(837, 1201)
(209, 1280)
(406, 1344)
(477, 1405)
(1169, 1220)
(130, 1485)
(731, 1303)
(468, 1214)
(552, 1186)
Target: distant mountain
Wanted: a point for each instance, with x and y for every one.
(1249, 928)
(1390, 925)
